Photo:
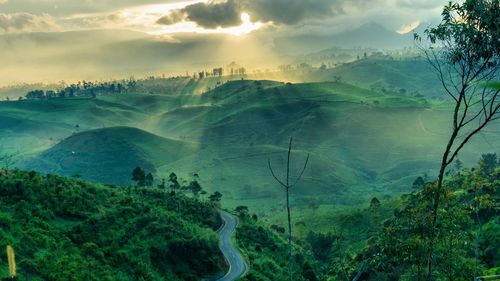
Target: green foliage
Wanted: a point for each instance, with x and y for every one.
(267, 251)
(215, 197)
(68, 229)
(469, 212)
(471, 29)
(419, 183)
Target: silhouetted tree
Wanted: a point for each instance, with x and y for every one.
(488, 163)
(215, 197)
(419, 183)
(139, 176)
(242, 211)
(162, 184)
(195, 188)
(149, 180)
(174, 183)
(374, 203)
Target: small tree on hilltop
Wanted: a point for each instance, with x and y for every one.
(195, 188)
(139, 176)
(174, 183)
(419, 183)
(149, 180)
(375, 203)
(216, 197)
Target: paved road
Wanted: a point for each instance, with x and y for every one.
(237, 265)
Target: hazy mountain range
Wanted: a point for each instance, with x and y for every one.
(106, 54)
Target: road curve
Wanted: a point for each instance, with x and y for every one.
(237, 265)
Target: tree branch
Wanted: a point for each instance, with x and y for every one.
(274, 175)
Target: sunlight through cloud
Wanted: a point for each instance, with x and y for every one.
(409, 28)
(246, 27)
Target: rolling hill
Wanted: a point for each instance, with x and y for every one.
(109, 155)
(362, 141)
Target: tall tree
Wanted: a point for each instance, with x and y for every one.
(287, 185)
(149, 180)
(464, 50)
(174, 182)
(139, 176)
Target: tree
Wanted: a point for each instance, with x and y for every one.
(464, 51)
(488, 163)
(162, 184)
(195, 188)
(458, 166)
(215, 197)
(174, 183)
(139, 176)
(287, 185)
(419, 183)
(242, 211)
(149, 180)
(374, 203)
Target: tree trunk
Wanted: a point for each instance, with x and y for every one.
(289, 236)
(437, 198)
(288, 211)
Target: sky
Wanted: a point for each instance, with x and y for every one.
(235, 17)
(54, 40)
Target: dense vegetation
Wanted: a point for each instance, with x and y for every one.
(69, 229)
(468, 228)
(266, 251)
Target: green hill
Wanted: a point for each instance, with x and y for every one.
(363, 142)
(109, 155)
(410, 76)
(68, 229)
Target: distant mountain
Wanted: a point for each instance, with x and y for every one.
(372, 35)
(369, 35)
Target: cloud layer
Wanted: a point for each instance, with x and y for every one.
(18, 22)
(214, 14)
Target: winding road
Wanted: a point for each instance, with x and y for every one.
(237, 265)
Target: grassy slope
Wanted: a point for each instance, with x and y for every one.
(413, 75)
(66, 229)
(109, 155)
(362, 142)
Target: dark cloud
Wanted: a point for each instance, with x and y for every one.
(174, 17)
(228, 13)
(26, 22)
(207, 15)
(213, 15)
(292, 11)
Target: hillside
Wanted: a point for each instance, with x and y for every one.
(68, 229)
(362, 141)
(109, 155)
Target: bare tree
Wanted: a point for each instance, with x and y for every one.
(464, 51)
(287, 185)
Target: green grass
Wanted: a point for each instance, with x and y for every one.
(362, 142)
(109, 155)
